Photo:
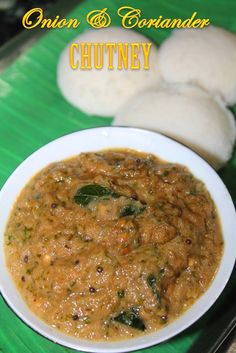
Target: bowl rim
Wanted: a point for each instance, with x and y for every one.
(104, 346)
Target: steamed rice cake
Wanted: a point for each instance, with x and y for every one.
(103, 92)
(206, 57)
(187, 114)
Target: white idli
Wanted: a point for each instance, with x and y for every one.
(206, 57)
(187, 114)
(102, 92)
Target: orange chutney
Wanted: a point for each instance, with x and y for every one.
(112, 244)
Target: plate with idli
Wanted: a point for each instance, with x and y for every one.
(186, 94)
(102, 92)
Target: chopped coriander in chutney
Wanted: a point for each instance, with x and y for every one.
(112, 244)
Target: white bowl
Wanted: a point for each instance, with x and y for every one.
(146, 141)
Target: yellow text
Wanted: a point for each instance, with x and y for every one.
(132, 17)
(34, 18)
(86, 56)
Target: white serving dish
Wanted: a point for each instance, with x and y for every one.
(120, 137)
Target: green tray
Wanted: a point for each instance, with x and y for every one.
(33, 112)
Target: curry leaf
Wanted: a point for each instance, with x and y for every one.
(93, 192)
(152, 281)
(131, 318)
(131, 210)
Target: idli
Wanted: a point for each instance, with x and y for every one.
(103, 92)
(206, 57)
(187, 114)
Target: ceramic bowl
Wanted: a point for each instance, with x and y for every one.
(120, 137)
